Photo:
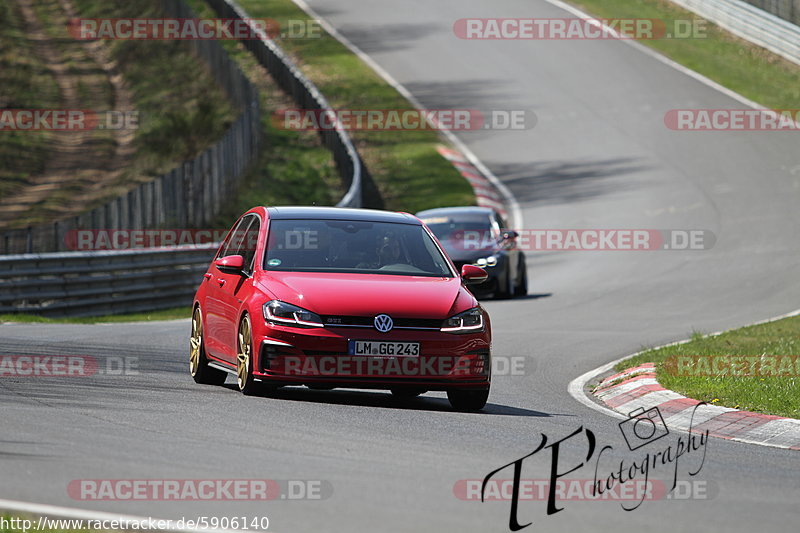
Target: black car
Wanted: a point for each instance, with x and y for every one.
(479, 236)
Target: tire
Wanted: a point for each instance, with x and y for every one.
(244, 359)
(521, 287)
(468, 400)
(198, 362)
(506, 291)
(407, 393)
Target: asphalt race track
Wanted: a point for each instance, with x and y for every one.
(599, 156)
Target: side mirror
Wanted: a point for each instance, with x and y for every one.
(230, 264)
(473, 275)
(509, 235)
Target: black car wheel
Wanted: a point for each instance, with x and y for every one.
(506, 284)
(468, 400)
(521, 287)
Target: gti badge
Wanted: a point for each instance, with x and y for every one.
(383, 323)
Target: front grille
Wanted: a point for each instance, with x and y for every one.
(368, 322)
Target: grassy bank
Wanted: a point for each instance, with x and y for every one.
(405, 166)
(164, 314)
(761, 387)
(737, 64)
(181, 111)
(25, 82)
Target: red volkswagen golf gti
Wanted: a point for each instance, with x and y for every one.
(332, 297)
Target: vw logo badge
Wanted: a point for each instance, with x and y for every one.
(383, 323)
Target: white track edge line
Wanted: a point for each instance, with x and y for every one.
(508, 197)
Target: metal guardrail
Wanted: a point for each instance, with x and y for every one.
(306, 95)
(100, 283)
(751, 23)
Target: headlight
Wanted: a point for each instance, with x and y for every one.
(291, 315)
(467, 322)
(484, 262)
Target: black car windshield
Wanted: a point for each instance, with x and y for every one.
(469, 234)
(354, 247)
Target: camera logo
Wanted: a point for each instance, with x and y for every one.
(643, 427)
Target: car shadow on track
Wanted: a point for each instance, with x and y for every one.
(385, 399)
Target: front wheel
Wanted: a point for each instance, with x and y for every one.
(468, 400)
(198, 362)
(244, 358)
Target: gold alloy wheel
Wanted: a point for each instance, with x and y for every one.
(195, 341)
(243, 353)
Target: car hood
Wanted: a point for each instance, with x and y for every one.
(368, 294)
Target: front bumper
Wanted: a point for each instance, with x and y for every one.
(320, 356)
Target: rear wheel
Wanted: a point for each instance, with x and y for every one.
(407, 393)
(468, 400)
(521, 287)
(198, 363)
(244, 358)
(505, 290)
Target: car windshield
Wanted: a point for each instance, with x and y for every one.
(469, 234)
(354, 247)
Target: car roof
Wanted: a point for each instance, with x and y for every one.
(339, 213)
(457, 213)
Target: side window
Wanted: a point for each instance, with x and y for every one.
(248, 248)
(231, 244)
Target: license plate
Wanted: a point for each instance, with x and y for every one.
(384, 348)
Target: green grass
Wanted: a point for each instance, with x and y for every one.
(181, 110)
(25, 82)
(164, 314)
(762, 393)
(752, 71)
(293, 167)
(408, 171)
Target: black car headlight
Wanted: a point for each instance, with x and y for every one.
(470, 321)
(291, 315)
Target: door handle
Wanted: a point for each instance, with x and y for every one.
(221, 282)
(207, 275)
